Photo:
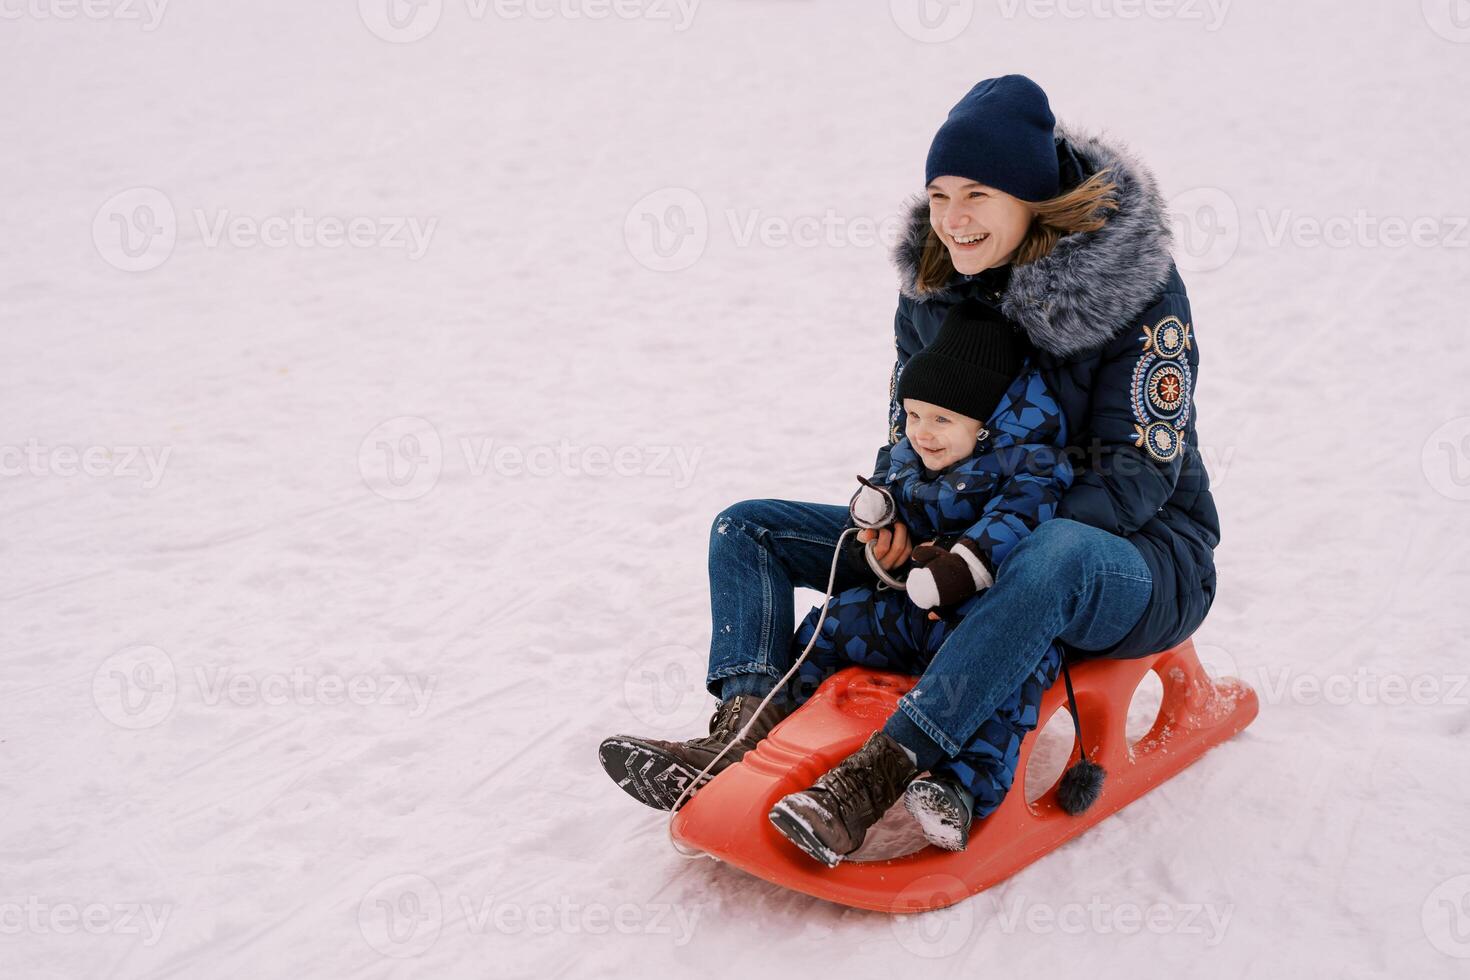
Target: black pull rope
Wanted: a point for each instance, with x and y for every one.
(1072, 708)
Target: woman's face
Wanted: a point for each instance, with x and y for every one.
(981, 226)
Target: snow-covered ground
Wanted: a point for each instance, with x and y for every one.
(360, 443)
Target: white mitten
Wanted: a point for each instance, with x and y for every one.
(871, 506)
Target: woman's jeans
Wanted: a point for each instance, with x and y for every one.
(1066, 581)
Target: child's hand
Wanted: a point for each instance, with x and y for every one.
(943, 578)
(890, 544)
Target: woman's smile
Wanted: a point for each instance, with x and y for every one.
(971, 242)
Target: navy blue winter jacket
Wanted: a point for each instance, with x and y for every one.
(1109, 317)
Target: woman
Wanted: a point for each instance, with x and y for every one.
(1067, 236)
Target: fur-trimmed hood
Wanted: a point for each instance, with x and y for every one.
(1092, 285)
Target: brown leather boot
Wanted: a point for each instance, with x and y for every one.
(655, 772)
(829, 819)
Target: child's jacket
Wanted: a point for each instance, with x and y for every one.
(997, 496)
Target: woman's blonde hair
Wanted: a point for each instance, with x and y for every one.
(1083, 208)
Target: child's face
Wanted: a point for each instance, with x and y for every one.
(942, 438)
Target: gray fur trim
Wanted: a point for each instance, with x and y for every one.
(1093, 284)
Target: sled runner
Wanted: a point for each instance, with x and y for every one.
(727, 818)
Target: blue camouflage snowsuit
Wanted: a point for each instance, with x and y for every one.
(994, 498)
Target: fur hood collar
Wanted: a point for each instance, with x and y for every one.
(1092, 285)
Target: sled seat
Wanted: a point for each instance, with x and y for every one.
(727, 818)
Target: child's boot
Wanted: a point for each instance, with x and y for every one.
(943, 809)
(829, 819)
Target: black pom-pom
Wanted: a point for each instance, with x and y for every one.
(1080, 786)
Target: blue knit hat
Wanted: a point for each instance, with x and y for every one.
(1000, 134)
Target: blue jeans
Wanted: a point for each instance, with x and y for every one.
(1066, 581)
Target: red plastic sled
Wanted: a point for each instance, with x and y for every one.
(727, 818)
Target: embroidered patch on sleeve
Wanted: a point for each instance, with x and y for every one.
(1161, 389)
(895, 410)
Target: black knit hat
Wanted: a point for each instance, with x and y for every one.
(969, 366)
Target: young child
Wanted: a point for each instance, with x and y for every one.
(980, 466)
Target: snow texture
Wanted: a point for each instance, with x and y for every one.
(361, 445)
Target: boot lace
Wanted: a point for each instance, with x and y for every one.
(872, 777)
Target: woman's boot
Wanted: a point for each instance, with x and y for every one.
(656, 772)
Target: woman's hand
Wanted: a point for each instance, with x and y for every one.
(890, 544)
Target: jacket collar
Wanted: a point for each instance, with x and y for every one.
(1092, 284)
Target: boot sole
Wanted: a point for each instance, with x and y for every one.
(795, 829)
(937, 815)
(651, 777)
